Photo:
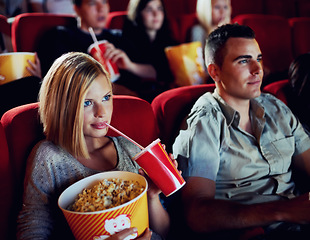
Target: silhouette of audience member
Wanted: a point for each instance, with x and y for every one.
(210, 14)
(298, 93)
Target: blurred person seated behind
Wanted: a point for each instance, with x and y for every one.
(298, 92)
(147, 33)
(210, 14)
(240, 148)
(52, 6)
(77, 38)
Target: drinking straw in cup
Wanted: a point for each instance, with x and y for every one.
(155, 161)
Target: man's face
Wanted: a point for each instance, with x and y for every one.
(241, 74)
(93, 13)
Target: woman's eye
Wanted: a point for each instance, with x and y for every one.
(87, 103)
(107, 97)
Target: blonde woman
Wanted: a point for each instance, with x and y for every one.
(75, 101)
(210, 14)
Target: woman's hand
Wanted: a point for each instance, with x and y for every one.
(118, 56)
(129, 231)
(35, 68)
(121, 59)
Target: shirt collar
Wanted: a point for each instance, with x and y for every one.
(232, 116)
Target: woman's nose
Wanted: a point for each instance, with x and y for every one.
(100, 111)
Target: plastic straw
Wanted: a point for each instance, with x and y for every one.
(125, 136)
(93, 35)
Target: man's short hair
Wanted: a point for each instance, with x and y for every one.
(215, 44)
(77, 2)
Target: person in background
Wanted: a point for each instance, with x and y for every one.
(240, 148)
(52, 6)
(298, 94)
(76, 146)
(78, 38)
(147, 33)
(210, 14)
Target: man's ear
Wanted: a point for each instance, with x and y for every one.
(214, 72)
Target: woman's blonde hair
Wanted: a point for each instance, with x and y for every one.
(204, 14)
(62, 96)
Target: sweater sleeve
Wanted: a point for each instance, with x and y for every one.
(35, 219)
(40, 216)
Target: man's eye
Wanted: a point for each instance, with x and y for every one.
(243, 61)
(87, 103)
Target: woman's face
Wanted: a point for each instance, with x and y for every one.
(220, 12)
(153, 15)
(98, 108)
(93, 13)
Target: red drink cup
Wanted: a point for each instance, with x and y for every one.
(158, 166)
(96, 50)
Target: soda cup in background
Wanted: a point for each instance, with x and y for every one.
(158, 166)
(97, 50)
(13, 66)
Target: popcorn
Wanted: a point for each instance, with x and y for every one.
(108, 193)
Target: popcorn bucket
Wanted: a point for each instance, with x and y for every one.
(13, 66)
(158, 166)
(102, 224)
(96, 50)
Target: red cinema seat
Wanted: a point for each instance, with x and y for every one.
(186, 22)
(118, 5)
(133, 116)
(6, 185)
(300, 35)
(277, 89)
(172, 106)
(245, 7)
(116, 19)
(5, 27)
(284, 8)
(28, 28)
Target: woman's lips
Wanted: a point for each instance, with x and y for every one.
(99, 125)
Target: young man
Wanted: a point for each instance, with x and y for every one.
(240, 146)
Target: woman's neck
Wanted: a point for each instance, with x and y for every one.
(151, 34)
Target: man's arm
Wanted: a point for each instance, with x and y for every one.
(206, 214)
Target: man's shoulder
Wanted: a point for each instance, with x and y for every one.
(206, 101)
(266, 99)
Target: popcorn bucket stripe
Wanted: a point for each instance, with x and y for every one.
(73, 220)
(91, 228)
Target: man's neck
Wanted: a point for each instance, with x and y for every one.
(242, 106)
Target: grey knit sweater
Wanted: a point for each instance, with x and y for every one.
(50, 170)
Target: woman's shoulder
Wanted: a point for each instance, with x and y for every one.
(47, 151)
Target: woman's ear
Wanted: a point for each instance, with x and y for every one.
(214, 71)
